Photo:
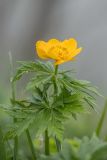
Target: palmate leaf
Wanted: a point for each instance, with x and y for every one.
(41, 121)
(19, 127)
(47, 117)
(52, 115)
(68, 103)
(38, 80)
(24, 116)
(36, 67)
(84, 86)
(45, 121)
(16, 112)
(81, 87)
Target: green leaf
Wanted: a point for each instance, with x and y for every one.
(83, 88)
(19, 128)
(37, 67)
(15, 112)
(38, 80)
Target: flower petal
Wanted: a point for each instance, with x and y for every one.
(72, 55)
(53, 41)
(76, 52)
(70, 44)
(41, 48)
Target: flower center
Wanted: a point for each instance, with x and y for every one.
(59, 51)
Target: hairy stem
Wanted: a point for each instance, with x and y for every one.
(100, 123)
(31, 144)
(15, 152)
(47, 151)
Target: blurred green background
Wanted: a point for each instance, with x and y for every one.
(24, 22)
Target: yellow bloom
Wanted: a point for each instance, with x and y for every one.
(60, 51)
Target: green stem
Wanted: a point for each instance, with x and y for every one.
(15, 152)
(58, 144)
(31, 144)
(55, 87)
(47, 151)
(56, 69)
(100, 123)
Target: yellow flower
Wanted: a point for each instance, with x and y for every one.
(60, 51)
